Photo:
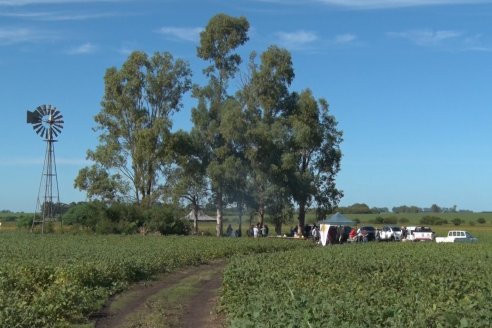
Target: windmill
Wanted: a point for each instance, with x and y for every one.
(47, 122)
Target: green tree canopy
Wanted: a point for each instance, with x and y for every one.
(135, 126)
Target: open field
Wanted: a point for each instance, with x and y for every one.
(364, 285)
(59, 279)
(54, 280)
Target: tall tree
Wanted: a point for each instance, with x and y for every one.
(265, 99)
(221, 36)
(313, 155)
(135, 124)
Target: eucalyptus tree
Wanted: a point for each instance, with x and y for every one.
(265, 97)
(187, 179)
(134, 125)
(312, 157)
(222, 35)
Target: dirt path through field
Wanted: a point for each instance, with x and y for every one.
(186, 298)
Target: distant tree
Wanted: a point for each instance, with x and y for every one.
(406, 209)
(379, 210)
(435, 209)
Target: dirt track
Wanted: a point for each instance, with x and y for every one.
(152, 304)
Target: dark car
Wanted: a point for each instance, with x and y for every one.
(366, 233)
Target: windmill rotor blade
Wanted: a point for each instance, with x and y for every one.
(38, 131)
(36, 125)
(58, 124)
(56, 130)
(57, 115)
(42, 109)
(46, 133)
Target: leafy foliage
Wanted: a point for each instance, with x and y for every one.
(374, 285)
(55, 280)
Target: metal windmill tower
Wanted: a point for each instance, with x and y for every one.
(47, 122)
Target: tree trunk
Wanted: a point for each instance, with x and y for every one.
(240, 231)
(278, 228)
(301, 218)
(219, 226)
(261, 213)
(195, 219)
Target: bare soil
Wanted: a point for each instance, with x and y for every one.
(195, 309)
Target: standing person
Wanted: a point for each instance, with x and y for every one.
(229, 230)
(263, 231)
(315, 233)
(404, 232)
(256, 231)
(352, 234)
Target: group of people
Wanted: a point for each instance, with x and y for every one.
(258, 230)
(230, 232)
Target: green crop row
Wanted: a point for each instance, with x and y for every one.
(54, 280)
(363, 285)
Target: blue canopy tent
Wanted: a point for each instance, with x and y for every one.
(335, 220)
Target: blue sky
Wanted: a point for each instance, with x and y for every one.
(409, 82)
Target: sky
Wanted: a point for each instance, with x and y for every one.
(409, 82)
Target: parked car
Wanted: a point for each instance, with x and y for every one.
(389, 233)
(457, 236)
(366, 233)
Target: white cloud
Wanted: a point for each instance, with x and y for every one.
(57, 16)
(345, 38)
(39, 2)
(191, 34)
(17, 35)
(382, 4)
(86, 48)
(296, 39)
(427, 37)
(40, 161)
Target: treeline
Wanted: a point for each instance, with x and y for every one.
(361, 208)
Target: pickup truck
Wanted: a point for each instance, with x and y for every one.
(388, 233)
(457, 236)
(419, 234)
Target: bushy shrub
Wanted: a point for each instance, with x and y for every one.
(120, 218)
(390, 220)
(481, 220)
(165, 220)
(432, 220)
(379, 220)
(25, 221)
(403, 220)
(457, 221)
(85, 214)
